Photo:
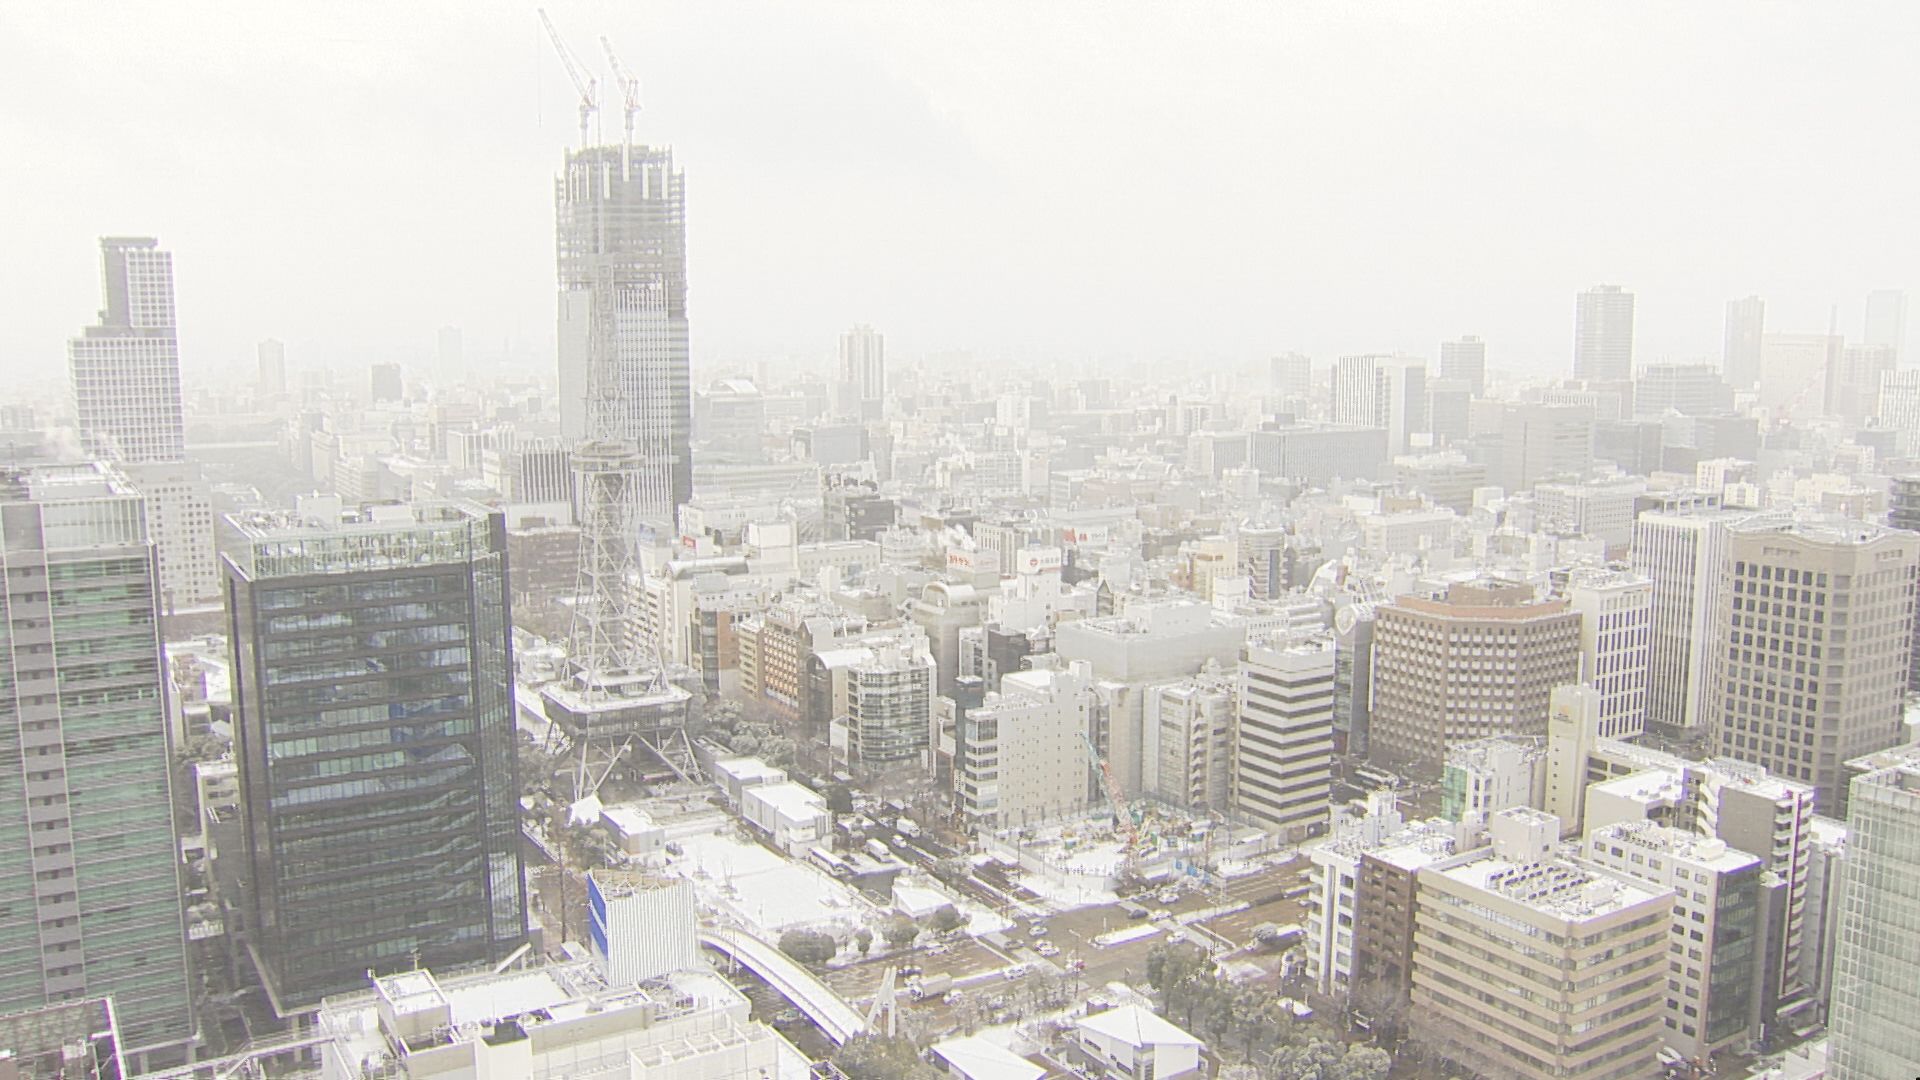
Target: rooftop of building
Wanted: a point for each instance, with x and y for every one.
(1553, 887)
(977, 1058)
(1137, 1026)
(70, 482)
(1817, 528)
(1480, 753)
(1483, 598)
(1679, 844)
(486, 1007)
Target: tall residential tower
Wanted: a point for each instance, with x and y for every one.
(1603, 334)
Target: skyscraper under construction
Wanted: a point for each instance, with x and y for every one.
(621, 233)
(621, 240)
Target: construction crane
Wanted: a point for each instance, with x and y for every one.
(589, 88)
(1122, 822)
(629, 87)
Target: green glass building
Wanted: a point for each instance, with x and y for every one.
(90, 901)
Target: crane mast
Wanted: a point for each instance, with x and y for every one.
(629, 95)
(587, 86)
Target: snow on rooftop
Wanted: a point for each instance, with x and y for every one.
(1137, 1026)
(978, 1059)
(760, 886)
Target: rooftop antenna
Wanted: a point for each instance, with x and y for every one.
(584, 83)
(630, 98)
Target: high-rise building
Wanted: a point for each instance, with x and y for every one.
(372, 686)
(385, 383)
(1382, 391)
(863, 372)
(1190, 725)
(1481, 661)
(1853, 383)
(1291, 375)
(1903, 512)
(889, 693)
(272, 379)
(1713, 962)
(1886, 319)
(1875, 997)
(126, 368)
(1023, 755)
(1449, 410)
(1684, 555)
(1466, 360)
(1687, 389)
(621, 224)
(1603, 334)
(1616, 615)
(1812, 646)
(1740, 357)
(1527, 964)
(1543, 442)
(1898, 408)
(1794, 371)
(90, 873)
(449, 356)
(1283, 734)
(1150, 642)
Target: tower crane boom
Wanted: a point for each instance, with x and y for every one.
(1122, 823)
(588, 87)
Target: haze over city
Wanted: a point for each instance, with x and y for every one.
(1032, 183)
(974, 541)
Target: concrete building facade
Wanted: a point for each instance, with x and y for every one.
(1481, 661)
(1283, 734)
(1813, 647)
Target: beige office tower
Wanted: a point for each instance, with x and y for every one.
(1811, 647)
(1480, 662)
(1526, 964)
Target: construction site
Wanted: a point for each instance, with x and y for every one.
(1086, 859)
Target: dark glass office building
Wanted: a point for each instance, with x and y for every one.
(375, 733)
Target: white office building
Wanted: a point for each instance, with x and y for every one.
(1283, 734)
(1713, 948)
(1616, 617)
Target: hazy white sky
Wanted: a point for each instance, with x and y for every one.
(1031, 180)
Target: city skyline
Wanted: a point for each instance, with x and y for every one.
(934, 189)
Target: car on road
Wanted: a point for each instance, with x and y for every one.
(1176, 936)
(1037, 930)
(954, 997)
(937, 948)
(1076, 964)
(1047, 948)
(1161, 913)
(1015, 971)
(908, 971)
(1168, 896)
(788, 1017)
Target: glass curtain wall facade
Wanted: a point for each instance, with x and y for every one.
(89, 873)
(375, 735)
